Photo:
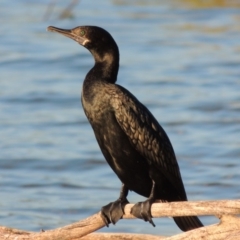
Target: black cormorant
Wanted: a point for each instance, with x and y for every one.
(134, 144)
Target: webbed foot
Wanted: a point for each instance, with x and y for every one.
(113, 211)
(142, 210)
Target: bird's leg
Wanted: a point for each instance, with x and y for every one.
(112, 212)
(143, 209)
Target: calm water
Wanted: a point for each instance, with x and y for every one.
(181, 59)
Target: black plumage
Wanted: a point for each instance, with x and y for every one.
(134, 144)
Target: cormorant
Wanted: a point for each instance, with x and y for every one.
(132, 141)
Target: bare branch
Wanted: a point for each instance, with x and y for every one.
(174, 209)
(229, 227)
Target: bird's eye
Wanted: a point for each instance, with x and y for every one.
(82, 33)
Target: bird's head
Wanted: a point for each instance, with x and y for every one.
(97, 40)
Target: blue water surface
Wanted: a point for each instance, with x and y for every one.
(181, 60)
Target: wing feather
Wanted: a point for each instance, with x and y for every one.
(145, 134)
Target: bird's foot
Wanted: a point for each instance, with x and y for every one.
(142, 210)
(112, 212)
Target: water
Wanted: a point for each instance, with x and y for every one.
(180, 58)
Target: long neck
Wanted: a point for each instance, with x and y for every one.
(105, 68)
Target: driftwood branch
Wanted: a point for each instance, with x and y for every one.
(228, 228)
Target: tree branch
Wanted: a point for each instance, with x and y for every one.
(227, 229)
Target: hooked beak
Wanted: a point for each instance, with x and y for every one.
(71, 33)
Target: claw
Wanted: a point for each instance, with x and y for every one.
(105, 214)
(113, 211)
(142, 210)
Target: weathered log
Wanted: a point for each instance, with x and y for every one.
(228, 228)
(200, 208)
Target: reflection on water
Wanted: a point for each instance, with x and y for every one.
(180, 58)
(181, 3)
(210, 3)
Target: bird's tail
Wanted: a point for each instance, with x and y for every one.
(188, 223)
